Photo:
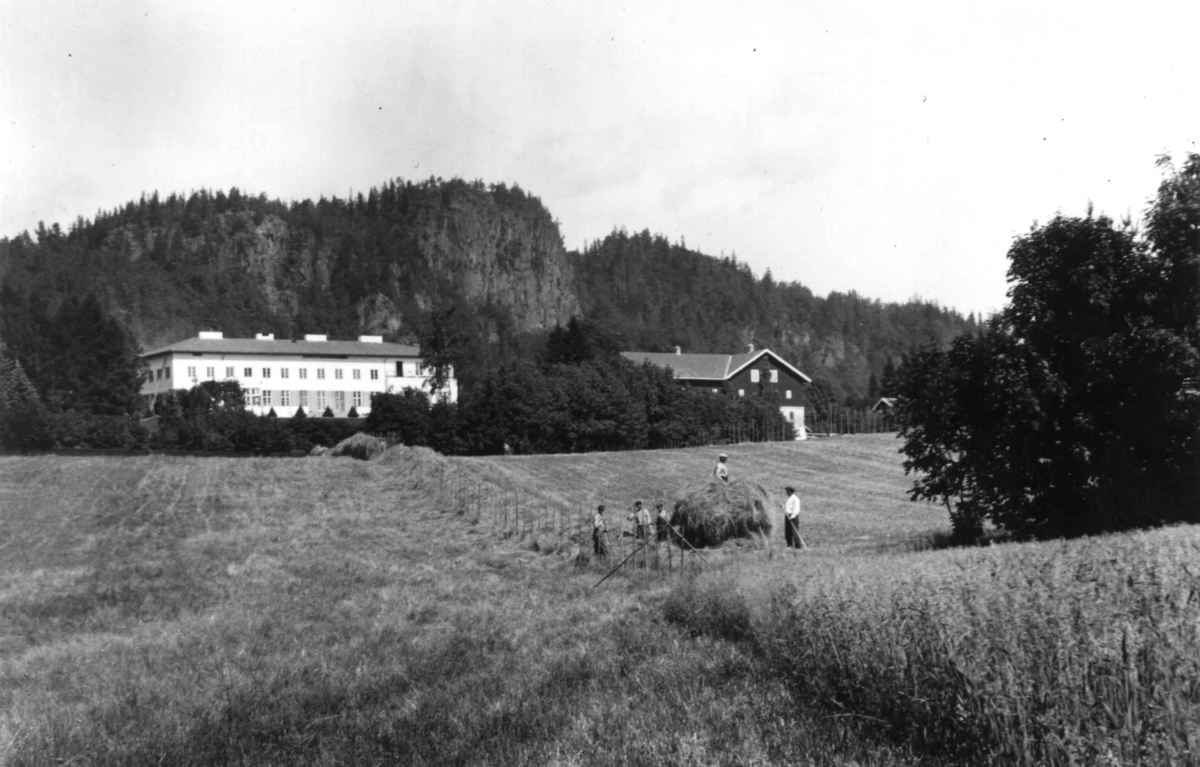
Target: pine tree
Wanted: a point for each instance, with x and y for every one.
(23, 423)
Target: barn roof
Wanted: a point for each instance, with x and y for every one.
(709, 367)
(884, 403)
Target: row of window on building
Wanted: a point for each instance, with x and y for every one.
(773, 376)
(210, 373)
(787, 394)
(319, 399)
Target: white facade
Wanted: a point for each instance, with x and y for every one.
(795, 416)
(315, 373)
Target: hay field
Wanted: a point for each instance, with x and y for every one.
(852, 489)
(175, 610)
(331, 611)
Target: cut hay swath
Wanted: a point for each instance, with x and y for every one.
(410, 459)
(719, 511)
(360, 445)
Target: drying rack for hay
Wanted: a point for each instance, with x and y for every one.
(551, 521)
(649, 564)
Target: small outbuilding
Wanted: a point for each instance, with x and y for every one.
(885, 405)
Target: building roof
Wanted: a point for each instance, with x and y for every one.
(885, 403)
(709, 367)
(287, 348)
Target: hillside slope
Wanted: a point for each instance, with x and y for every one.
(389, 261)
(656, 295)
(853, 491)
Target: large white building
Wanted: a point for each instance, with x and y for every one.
(313, 374)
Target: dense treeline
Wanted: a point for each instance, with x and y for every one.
(210, 417)
(1076, 411)
(78, 383)
(580, 396)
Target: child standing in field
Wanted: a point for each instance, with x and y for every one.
(791, 520)
(722, 471)
(599, 533)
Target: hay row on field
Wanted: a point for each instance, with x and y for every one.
(719, 511)
(359, 445)
(411, 458)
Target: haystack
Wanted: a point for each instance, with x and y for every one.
(719, 511)
(317, 451)
(409, 457)
(359, 445)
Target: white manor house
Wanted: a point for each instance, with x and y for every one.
(313, 374)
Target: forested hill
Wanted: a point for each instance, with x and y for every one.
(656, 295)
(378, 263)
(389, 261)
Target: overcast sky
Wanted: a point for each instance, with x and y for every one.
(890, 148)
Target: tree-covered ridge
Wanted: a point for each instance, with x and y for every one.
(656, 295)
(374, 263)
(480, 267)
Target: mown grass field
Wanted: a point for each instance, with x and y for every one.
(331, 611)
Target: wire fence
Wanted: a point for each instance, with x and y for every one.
(549, 522)
(844, 420)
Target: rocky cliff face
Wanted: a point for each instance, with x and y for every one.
(500, 257)
(375, 265)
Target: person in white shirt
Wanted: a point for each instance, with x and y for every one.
(599, 533)
(722, 470)
(791, 521)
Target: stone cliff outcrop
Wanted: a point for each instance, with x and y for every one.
(376, 265)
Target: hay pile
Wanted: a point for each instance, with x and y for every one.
(317, 451)
(408, 458)
(359, 445)
(719, 511)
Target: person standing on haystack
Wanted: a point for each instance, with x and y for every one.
(722, 470)
(599, 533)
(641, 518)
(662, 521)
(791, 521)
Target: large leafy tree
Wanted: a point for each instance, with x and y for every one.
(406, 414)
(1069, 415)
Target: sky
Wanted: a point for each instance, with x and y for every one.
(893, 149)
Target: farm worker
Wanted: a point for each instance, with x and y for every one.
(722, 470)
(641, 518)
(663, 520)
(599, 533)
(791, 521)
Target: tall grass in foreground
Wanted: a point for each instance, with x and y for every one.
(1083, 652)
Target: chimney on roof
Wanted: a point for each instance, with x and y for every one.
(679, 350)
(315, 337)
(370, 339)
(264, 336)
(211, 335)
(749, 348)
